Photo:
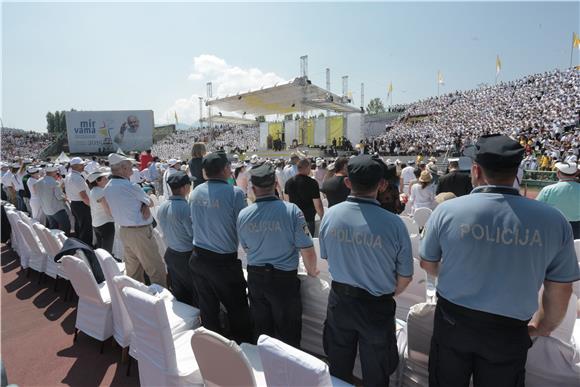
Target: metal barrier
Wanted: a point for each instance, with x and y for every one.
(538, 179)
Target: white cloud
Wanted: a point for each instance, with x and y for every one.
(226, 80)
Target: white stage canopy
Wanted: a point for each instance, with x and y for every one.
(298, 95)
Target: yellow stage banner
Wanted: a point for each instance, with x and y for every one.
(310, 132)
(335, 128)
(275, 130)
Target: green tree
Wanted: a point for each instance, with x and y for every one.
(62, 122)
(261, 119)
(50, 127)
(375, 106)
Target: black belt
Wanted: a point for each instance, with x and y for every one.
(477, 316)
(212, 257)
(270, 269)
(353, 291)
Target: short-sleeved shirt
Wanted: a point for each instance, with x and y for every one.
(166, 188)
(50, 195)
(302, 190)
(175, 220)
(366, 246)
(565, 196)
(125, 200)
(272, 231)
(215, 206)
(335, 190)
(408, 174)
(99, 215)
(496, 249)
(74, 184)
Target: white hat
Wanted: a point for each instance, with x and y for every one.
(319, 162)
(452, 159)
(32, 170)
(116, 158)
(172, 162)
(254, 159)
(51, 168)
(567, 168)
(76, 161)
(15, 165)
(95, 175)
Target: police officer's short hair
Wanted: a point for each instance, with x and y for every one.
(214, 163)
(340, 163)
(303, 163)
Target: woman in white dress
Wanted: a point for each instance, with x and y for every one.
(34, 199)
(422, 193)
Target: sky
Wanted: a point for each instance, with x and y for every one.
(159, 56)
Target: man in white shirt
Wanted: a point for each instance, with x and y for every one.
(129, 206)
(174, 166)
(52, 200)
(77, 192)
(407, 175)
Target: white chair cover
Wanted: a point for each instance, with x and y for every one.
(421, 215)
(419, 331)
(17, 240)
(412, 227)
(577, 248)
(37, 256)
(94, 314)
(164, 359)
(552, 363)
(51, 266)
(122, 326)
(215, 353)
(57, 239)
(160, 243)
(314, 293)
(414, 294)
(285, 365)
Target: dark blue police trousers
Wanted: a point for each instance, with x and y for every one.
(218, 278)
(180, 276)
(275, 303)
(466, 342)
(364, 321)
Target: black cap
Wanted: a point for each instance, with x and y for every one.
(496, 152)
(217, 160)
(263, 175)
(178, 180)
(365, 170)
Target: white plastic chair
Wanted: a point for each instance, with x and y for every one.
(551, 362)
(94, 313)
(412, 227)
(215, 353)
(164, 359)
(421, 215)
(314, 293)
(285, 365)
(37, 256)
(57, 239)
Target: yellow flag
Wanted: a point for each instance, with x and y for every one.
(576, 40)
(390, 88)
(176, 120)
(439, 78)
(497, 65)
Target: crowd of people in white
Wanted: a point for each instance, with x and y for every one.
(18, 143)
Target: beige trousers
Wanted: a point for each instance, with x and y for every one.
(141, 253)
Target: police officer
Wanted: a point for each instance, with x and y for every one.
(493, 250)
(369, 257)
(271, 232)
(218, 277)
(175, 221)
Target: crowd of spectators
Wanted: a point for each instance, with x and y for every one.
(18, 143)
(541, 110)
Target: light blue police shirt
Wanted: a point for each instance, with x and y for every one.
(175, 220)
(272, 231)
(215, 206)
(366, 246)
(497, 249)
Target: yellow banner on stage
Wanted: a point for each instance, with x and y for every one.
(335, 128)
(309, 132)
(275, 130)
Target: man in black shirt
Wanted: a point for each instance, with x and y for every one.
(334, 188)
(455, 181)
(303, 191)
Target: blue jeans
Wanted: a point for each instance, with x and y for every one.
(59, 221)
